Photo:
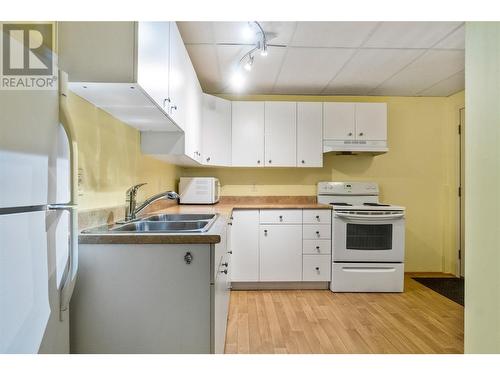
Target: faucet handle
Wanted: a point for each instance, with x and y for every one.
(133, 189)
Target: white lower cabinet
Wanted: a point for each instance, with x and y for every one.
(280, 252)
(245, 245)
(281, 245)
(316, 268)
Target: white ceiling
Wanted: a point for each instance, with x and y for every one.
(321, 58)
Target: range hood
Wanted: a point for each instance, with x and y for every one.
(332, 145)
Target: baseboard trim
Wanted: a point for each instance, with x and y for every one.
(280, 285)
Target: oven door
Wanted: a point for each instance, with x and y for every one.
(368, 236)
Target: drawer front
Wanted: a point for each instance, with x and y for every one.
(317, 216)
(316, 267)
(281, 216)
(317, 247)
(367, 277)
(317, 232)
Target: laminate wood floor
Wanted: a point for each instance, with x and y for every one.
(319, 321)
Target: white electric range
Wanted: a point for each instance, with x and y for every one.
(368, 238)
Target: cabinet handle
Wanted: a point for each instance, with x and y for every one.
(317, 217)
(229, 223)
(174, 107)
(270, 161)
(258, 161)
(165, 101)
(317, 248)
(317, 268)
(317, 233)
(303, 161)
(230, 252)
(225, 264)
(360, 134)
(208, 159)
(281, 218)
(224, 271)
(265, 232)
(350, 134)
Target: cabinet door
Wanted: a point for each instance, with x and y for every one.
(245, 245)
(153, 60)
(193, 115)
(216, 130)
(280, 252)
(309, 134)
(248, 134)
(280, 134)
(178, 77)
(371, 121)
(339, 121)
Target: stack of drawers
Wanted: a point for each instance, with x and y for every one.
(316, 245)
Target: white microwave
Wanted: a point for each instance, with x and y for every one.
(199, 190)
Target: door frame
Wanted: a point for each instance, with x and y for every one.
(460, 255)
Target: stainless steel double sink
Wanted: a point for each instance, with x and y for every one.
(162, 223)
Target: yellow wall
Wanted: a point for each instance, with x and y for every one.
(109, 158)
(419, 172)
(482, 188)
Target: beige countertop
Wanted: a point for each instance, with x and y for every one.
(211, 236)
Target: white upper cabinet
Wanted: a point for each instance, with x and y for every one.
(153, 59)
(193, 115)
(309, 134)
(339, 121)
(371, 121)
(247, 134)
(280, 134)
(355, 127)
(216, 130)
(178, 84)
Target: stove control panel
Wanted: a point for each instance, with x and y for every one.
(348, 188)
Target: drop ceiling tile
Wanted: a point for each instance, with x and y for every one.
(308, 70)
(331, 34)
(369, 68)
(206, 65)
(409, 34)
(447, 86)
(455, 40)
(196, 32)
(427, 70)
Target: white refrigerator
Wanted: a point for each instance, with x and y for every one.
(38, 222)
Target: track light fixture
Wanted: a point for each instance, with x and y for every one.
(252, 28)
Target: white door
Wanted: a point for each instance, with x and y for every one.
(309, 134)
(245, 245)
(178, 77)
(216, 130)
(339, 121)
(280, 252)
(193, 115)
(371, 121)
(280, 134)
(247, 134)
(153, 60)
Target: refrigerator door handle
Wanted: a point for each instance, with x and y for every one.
(69, 282)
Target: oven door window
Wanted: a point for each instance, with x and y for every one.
(369, 237)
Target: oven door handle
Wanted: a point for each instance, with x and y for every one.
(369, 217)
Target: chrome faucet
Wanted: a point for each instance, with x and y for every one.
(132, 209)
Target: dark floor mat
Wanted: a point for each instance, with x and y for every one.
(450, 287)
